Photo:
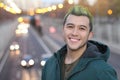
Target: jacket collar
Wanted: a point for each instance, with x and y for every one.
(94, 51)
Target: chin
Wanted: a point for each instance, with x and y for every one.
(74, 48)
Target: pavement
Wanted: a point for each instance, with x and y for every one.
(7, 30)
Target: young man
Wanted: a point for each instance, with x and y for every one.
(80, 58)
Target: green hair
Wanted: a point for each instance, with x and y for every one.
(80, 11)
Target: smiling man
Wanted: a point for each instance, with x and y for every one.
(81, 58)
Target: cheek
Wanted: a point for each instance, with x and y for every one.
(65, 33)
(85, 35)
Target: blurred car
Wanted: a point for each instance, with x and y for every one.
(14, 46)
(22, 29)
(44, 58)
(27, 61)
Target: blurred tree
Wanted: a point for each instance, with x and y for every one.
(115, 6)
(60, 13)
(100, 8)
(66, 7)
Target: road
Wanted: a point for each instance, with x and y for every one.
(29, 44)
(34, 44)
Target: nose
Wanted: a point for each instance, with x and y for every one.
(75, 31)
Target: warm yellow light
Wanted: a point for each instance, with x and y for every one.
(38, 11)
(45, 10)
(110, 12)
(31, 12)
(7, 9)
(49, 9)
(60, 6)
(14, 7)
(54, 7)
(12, 11)
(1, 5)
(20, 19)
(4, 7)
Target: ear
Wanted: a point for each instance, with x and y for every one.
(90, 35)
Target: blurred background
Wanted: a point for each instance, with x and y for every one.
(31, 31)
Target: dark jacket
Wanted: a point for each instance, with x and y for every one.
(91, 66)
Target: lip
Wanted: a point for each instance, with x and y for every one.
(74, 39)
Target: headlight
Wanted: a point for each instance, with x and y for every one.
(43, 63)
(23, 63)
(31, 62)
(17, 46)
(12, 47)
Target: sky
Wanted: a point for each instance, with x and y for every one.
(27, 4)
(53, 1)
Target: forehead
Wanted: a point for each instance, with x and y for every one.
(77, 19)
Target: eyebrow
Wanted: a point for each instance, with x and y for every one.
(79, 25)
(69, 24)
(83, 26)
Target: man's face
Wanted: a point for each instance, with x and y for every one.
(76, 31)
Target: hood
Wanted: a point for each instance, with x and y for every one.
(95, 50)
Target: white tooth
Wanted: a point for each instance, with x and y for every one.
(74, 40)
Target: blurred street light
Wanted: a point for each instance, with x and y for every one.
(60, 5)
(54, 7)
(1, 5)
(49, 9)
(109, 12)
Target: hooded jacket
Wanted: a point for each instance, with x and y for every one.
(91, 66)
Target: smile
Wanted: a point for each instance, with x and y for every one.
(74, 39)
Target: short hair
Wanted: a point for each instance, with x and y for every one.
(80, 11)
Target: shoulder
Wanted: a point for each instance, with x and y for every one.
(100, 65)
(52, 60)
(103, 70)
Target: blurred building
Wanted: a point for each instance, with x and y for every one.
(25, 4)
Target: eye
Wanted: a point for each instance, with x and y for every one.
(82, 27)
(69, 26)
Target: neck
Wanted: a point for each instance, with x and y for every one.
(73, 55)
